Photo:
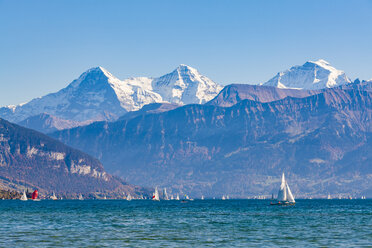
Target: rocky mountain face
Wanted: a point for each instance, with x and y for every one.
(99, 96)
(34, 160)
(234, 93)
(152, 108)
(47, 123)
(320, 141)
(313, 75)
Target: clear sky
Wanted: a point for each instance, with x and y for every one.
(44, 45)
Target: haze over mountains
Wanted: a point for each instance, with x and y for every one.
(36, 161)
(183, 132)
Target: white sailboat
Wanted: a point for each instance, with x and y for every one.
(81, 197)
(165, 194)
(24, 196)
(285, 196)
(53, 197)
(329, 197)
(155, 196)
(178, 197)
(223, 197)
(202, 197)
(129, 197)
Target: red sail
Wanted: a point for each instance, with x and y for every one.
(34, 195)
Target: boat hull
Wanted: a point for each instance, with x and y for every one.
(282, 203)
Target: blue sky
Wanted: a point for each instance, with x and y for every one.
(44, 45)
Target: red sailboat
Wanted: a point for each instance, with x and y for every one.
(35, 195)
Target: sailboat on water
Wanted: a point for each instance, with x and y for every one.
(285, 196)
(54, 197)
(81, 197)
(155, 196)
(178, 197)
(35, 195)
(166, 197)
(24, 196)
(129, 197)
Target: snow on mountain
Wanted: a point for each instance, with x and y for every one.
(90, 97)
(312, 75)
(185, 85)
(98, 95)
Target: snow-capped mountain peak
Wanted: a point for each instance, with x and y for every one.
(185, 85)
(317, 74)
(98, 95)
(96, 74)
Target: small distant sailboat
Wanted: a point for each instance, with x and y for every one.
(166, 194)
(81, 197)
(34, 195)
(285, 196)
(178, 197)
(129, 197)
(155, 196)
(24, 196)
(172, 198)
(202, 197)
(223, 198)
(53, 197)
(329, 197)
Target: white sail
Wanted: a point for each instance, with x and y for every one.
(282, 194)
(156, 195)
(178, 197)
(165, 194)
(129, 197)
(53, 197)
(81, 197)
(290, 197)
(202, 197)
(223, 197)
(24, 197)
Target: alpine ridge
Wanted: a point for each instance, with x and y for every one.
(319, 140)
(313, 75)
(99, 96)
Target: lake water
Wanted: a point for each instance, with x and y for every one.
(209, 223)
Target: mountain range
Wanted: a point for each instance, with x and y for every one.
(183, 132)
(320, 141)
(98, 95)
